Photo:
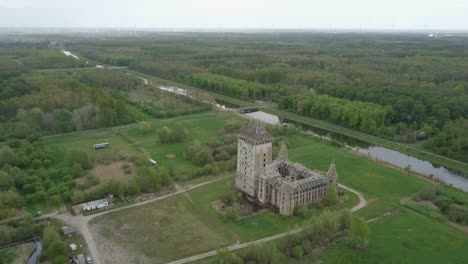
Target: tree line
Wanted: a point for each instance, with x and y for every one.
(367, 117)
(234, 87)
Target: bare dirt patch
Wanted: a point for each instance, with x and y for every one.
(218, 205)
(170, 156)
(109, 172)
(113, 171)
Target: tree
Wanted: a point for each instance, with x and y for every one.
(80, 157)
(76, 170)
(145, 127)
(330, 222)
(359, 233)
(301, 210)
(331, 196)
(56, 248)
(164, 134)
(49, 235)
(225, 256)
(60, 260)
(78, 197)
(132, 187)
(297, 251)
(6, 181)
(232, 212)
(7, 156)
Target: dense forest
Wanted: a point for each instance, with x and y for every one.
(421, 81)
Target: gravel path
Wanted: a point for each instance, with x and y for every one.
(81, 222)
(362, 203)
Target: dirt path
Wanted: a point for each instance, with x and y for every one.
(81, 222)
(362, 203)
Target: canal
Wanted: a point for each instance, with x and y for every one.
(378, 153)
(385, 155)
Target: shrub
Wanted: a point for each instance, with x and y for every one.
(76, 170)
(301, 210)
(229, 198)
(232, 213)
(359, 233)
(297, 251)
(429, 194)
(458, 213)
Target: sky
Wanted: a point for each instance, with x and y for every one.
(239, 14)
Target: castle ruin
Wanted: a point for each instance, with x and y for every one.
(279, 182)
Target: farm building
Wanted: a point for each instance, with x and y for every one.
(93, 205)
(68, 231)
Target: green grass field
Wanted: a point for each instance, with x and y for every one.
(406, 237)
(397, 228)
(269, 108)
(160, 231)
(177, 227)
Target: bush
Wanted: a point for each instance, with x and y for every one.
(297, 251)
(229, 198)
(232, 213)
(56, 248)
(458, 213)
(76, 170)
(429, 194)
(359, 233)
(301, 210)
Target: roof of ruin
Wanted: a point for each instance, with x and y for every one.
(255, 131)
(299, 176)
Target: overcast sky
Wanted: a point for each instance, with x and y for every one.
(244, 14)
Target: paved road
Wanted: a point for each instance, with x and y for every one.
(81, 222)
(362, 203)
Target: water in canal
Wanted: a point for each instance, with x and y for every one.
(378, 153)
(385, 155)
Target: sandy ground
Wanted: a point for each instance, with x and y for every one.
(112, 253)
(113, 171)
(106, 173)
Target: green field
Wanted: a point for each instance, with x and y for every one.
(177, 227)
(382, 186)
(406, 237)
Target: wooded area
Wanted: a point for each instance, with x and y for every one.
(422, 80)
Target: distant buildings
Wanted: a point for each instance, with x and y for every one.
(280, 182)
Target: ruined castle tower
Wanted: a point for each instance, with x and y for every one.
(254, 152)
(332, 175)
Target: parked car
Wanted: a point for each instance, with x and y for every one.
(89, 260)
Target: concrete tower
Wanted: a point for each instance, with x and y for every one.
(254, 152)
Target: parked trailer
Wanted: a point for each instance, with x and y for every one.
(101, 145)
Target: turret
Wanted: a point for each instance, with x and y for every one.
(283, 153)
(332, 175)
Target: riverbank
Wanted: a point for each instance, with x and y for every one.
(417, 153)
(269, 107)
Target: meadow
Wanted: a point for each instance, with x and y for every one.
(382, 186)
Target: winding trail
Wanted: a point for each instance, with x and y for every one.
(362, 203)
(81, 222)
